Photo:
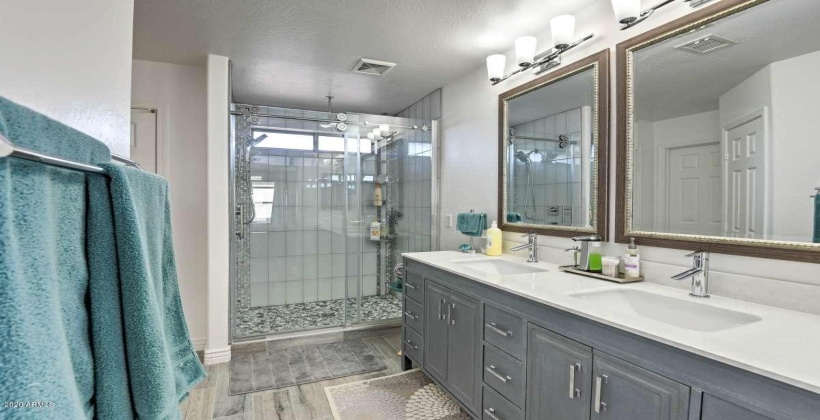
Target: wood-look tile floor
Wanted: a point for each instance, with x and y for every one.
(210, 399)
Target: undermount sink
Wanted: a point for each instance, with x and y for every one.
(499, 267)
(685, 314)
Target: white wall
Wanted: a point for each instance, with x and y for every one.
(72, 62)
(217, 349)
(179, 94)
(796, 149)
(469, 177)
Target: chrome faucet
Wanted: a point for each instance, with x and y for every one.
(532, 245)
(699, 274)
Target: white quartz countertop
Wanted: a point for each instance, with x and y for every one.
(784, 345)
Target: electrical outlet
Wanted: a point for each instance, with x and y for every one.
(448, 220)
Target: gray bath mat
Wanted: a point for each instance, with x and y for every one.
(405, 396)
(279, 368)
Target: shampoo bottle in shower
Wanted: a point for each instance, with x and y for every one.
(377, 196)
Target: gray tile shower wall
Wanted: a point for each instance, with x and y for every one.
(555, 195)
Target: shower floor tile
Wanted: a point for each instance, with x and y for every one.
(299, 316)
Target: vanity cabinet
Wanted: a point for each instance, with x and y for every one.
(450, 340)
(508, 357)
(559, 377)
(623, 391)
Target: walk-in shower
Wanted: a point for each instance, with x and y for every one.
(304, 186)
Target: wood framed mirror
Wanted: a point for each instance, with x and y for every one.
(552, 144)
(717, 145)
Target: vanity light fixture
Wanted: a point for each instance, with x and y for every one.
(563, 30)
(628, 12)
(524, 51)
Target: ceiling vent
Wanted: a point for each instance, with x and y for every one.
(373, 67)
(706, 44)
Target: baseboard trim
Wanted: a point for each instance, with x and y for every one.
(215, 356)
(199, 344)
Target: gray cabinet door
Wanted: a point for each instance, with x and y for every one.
(559, 377)
(462, 366)
(623, 391)
(435, 330)
(716, 409)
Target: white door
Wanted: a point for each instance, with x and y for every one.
(695, 190)
(144, 138)
(745, 183)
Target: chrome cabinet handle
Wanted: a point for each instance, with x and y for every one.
(492, 371)
(410, 343)
(491, 412)
(451, 315)
(410, 285)
(599, 405)
(573, 392)
(440, 312)
(410, 314)
(494, 327)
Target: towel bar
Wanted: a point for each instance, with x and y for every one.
(7, 149)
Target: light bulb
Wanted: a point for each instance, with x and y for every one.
(626, 11)
(384, 129)
(495, 66)
(563, 30)
(525, 50)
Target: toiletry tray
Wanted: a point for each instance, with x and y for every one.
(599, 276)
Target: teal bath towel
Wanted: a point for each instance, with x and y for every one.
(817, 218)
(135, 295)
(45, 349)
(471, 224)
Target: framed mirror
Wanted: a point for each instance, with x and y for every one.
(718, 120)
(553, 141)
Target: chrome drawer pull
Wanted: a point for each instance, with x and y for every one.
(501, 332)
(410, 343)
(440, 312)
(410, 314)
(599, 405)
(492, 370)
(491, 412)
(573, 392)
(410, 285)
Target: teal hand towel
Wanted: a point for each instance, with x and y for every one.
(45, 349)
(816, 235)
(513, 217)
(141, 301)
(471, 224)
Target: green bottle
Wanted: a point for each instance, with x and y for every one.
(595, 264)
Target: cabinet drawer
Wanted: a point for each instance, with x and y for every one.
(496, 407)
(414, 314)
(413, 343)
(414, 286)
(505, 374)
(505, 331)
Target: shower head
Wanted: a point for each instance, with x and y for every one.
(523, 157)
(533, 156)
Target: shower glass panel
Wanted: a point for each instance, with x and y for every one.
(304, 201)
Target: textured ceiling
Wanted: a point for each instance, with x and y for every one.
(292, 53)
(672, 83)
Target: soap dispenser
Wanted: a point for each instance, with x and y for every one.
(494, 240)
(590, 253)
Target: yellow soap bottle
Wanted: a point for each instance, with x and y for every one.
(494, 240)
